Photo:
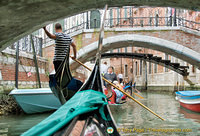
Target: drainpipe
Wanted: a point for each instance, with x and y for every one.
(145, 63)
(145, 66)
(121, 65)
(17, 65)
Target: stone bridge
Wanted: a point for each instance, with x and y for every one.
(19, 18)
(180, 42)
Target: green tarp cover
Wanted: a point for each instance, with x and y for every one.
(82, 102)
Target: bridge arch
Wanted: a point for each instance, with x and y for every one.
(25, 17)
(88, 52)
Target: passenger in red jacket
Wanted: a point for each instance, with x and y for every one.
(110, 93)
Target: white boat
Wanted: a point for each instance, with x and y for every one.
(36, 100)
(189, 100)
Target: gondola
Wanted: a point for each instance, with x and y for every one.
(86, 113)
(65, 86)
(89, 104)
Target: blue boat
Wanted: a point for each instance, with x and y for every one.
(36, 100)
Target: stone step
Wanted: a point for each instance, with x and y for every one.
(175, 64)
(156, 58)
(184, 67)
(166, 61)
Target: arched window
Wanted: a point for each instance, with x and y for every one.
(140, 67)
(136, 68)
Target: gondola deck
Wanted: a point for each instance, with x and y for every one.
(88, 104)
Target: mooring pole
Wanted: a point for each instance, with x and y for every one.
(35, 61)
(17, 65)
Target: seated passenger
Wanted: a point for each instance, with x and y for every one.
(119, 95)
(110, 93)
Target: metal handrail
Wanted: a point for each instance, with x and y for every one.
(134, 22)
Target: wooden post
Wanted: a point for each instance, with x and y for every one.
(35, 61)
(17, 65)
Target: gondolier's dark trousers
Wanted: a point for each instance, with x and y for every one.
(65, 78)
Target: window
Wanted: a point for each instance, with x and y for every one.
(140, 67)
(111, 17)
(155, 68)
(131, 70)
(126, 50)
(150, 68)
(130, 11)
(1, 76)
(54, 28)
(126, 70)
(136, 68)
(118, 16)
(125, 12)
(193, 69)
(118, 50)
(166, 58)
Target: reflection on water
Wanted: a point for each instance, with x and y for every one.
(14, 125)
(190, 114)
(131, 119)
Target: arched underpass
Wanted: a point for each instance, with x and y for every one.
(19, 18)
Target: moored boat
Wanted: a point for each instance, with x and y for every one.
(189, 100)
(36, 100)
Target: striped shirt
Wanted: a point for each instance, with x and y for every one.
(62, 49)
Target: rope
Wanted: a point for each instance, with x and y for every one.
(20, 62)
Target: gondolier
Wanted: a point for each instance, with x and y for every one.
(62, 84)
(62, 49)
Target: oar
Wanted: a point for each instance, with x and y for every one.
(137, 90)
(121, 91)
(138, 95)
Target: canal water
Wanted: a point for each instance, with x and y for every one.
(131, 119)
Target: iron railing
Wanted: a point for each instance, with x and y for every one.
(133, 22)
(25, 45)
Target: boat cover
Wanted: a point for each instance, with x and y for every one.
(31, 91)
(188, 94)
(82, 102)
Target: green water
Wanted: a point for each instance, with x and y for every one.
(14, 125)
(131, 119)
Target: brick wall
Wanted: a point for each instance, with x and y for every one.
(26, 64)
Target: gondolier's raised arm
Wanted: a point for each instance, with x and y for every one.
(52, 36)
(74, 50)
